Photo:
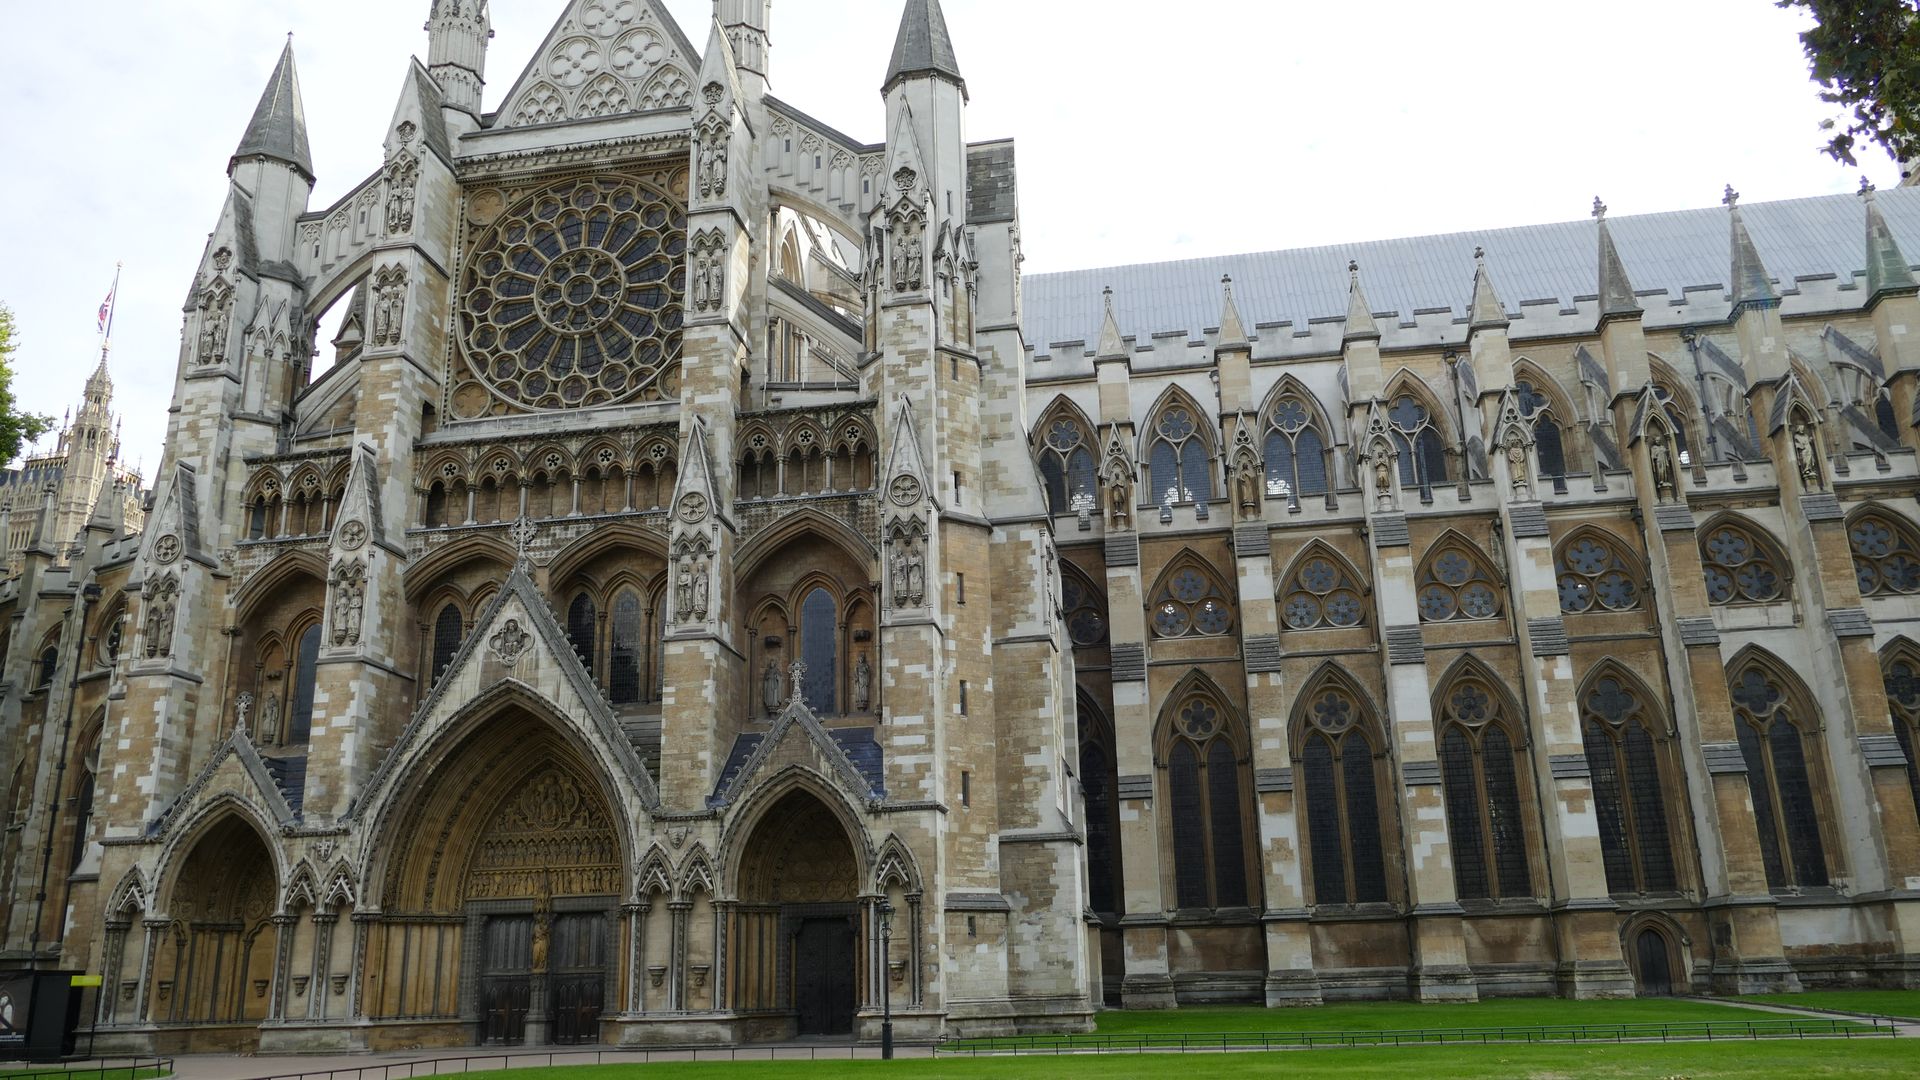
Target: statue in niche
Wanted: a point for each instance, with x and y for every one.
(705, 167)
(216, 309)
(862, 685)
(270, 718)
(719, 164)
(1517, 465)
(1660, 454)
(1246, 486)
(916, 573)
(542, 932)
(897, 571)
(770, 688)
(389, 306)
(1382, 463)
(916, 261)
(717, 268)
(900, 261)
(162, 600)
(403, 179)
(702, 283)
(349, 601)
(701, 584)
(1119, 497)
(1806, 460)
(683, 590)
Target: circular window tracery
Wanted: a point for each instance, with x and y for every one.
(576, 297)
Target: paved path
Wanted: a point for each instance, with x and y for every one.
(402, 1065)
(1906, 1027)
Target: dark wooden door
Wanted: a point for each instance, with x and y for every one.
(578, 980)
(823, 976)
(1656, 968)
(506, 979)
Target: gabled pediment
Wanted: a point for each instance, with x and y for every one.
(604, 58)
(799, 738)
(236, 770)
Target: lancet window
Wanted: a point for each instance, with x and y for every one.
(1099, 782)
(1620, 735)
(1481, 768)
(1423, 453)
(581, 618)
(1296, 449)
(1903, 697)
(1190, 603)
(1457, 585)
(1549, 444)
(1775, 731)
(300, 708)
(1339, 766)
(1179, 459)
(449, 627)
(1741, 568)
(1205, 792)
(1321, 595)
(1067, 463)
(1886, 558)
(1085, 609)
(1594, 575)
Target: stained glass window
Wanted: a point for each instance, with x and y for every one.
(1538, 410)
(1191, 604)
(1208, 819)
(1740, 567)
(1099, 781)
(1780, 778)
(1629, 797)
(1886, 559)
(1322, 595)
(1455, 584)
(300, 712)
(1179, 463)
(623, 658)
(1342, 799)
(1086, 611)
(448, 629)
(1480, 767)
(1296, 450)
(580, 619)
(1423, 454)
(1067, 465)
(1594, 576)
(820, 649)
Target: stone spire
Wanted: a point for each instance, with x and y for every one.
(1887, 268)
(1616, 291)
(457, 36)
(1751, 283)
(1487, 313)
(746, 24)
(1360, 324)
(279, 126)
(924, 47)
(1112, 345)
(1233, 332)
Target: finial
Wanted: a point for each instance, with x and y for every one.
(1732, 200)
(1353, 266)
(1479, 253)
(1226, 282)
(523, 532)
(1108, 293)
(1866, 189)
(1599, 209)
(799, 672)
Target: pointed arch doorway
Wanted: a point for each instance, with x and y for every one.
(800, 918)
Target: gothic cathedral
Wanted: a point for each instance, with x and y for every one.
(709, 597)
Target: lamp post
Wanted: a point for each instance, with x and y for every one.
(886, 980)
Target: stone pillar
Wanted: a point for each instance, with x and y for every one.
(636, 957)
(283, 928)
(108, 1005)
(155, 929)
(677, 956)
(317, 986)
(356, 980)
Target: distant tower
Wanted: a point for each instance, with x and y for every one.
(746, 23)
(89, 446)
(457, 50)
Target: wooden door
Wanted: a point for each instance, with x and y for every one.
(578, 980)
(823, 977)
(506, 979)
(1656, 967)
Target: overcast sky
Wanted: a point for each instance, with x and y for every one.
(1147, 131)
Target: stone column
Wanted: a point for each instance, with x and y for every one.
(636, 956)
(356, 980)
(111, 968)
(677, 957)
(283, 928)
(155, 929)
(317, 986)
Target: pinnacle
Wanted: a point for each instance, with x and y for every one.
(1616, 289)
(1887, 267)
(923, 47)
(279, 126)
(1751, 283)
(1360, 324)
(1487, 312)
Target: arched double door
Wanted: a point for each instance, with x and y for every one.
(801, 921)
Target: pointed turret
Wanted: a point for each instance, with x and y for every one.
(278, 130)
(746, 23)
(458, 32)
(1112, 346)
(923, 46)
(1887, 267)
(1616, 291)
(1487, 312)
(1751, 284)
(1360, 324)
(1233, 332)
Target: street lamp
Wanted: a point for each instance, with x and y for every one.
(886, 980)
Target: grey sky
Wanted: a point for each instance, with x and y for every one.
(1147, 131)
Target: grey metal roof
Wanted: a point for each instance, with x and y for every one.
(279, 126)
(924, 47)
(1663, 253)
(991, 186)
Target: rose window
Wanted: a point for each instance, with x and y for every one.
(1190, 604)
(1594, 577)
(1322, 596)
(1739, 569)
(575, 297)
(1455, 585)
(1885, 557)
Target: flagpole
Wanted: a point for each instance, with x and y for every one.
(113, 307)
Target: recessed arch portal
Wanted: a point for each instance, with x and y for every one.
(800, 924)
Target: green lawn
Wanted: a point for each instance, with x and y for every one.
(56, 1072)
(1902, 1003)
(1401, 1016)
(1821, 1060)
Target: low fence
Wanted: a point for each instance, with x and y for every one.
(135, 1068)
(1215, 1042)
(500, 1060)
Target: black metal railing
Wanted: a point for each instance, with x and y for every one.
(520, 1059)
(134, 1068)
(1193, 1042)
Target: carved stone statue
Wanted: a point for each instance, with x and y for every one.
(349, 601)
(1119, 499)
(683, 590)
(542, 931)
(701, 584)
(1246, 486)
(1382, 463)
(702, 283)
(403, 179)
(216, 310)
(1806, 460)
(389, 306)
(162, 600)
(719, 184)
(1517, 467)
(270, 717)
(916, 261)
(705, 167)
(897, 571)
(899, 262)
(916, 574)
(242, 705)
(770, 688)
(862, 685)
(1660, 455)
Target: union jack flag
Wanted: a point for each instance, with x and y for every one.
(106, 309)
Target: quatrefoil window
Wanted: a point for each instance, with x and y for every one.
(1455, 586)
(1321, 596)
(1739, 568)
(1886, 559)
(1191, 605)
(1594, 576)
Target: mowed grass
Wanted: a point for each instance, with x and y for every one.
(1870, 1059)
(1901, 1003)
(1405, 1016)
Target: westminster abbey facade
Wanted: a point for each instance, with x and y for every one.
(700, 593)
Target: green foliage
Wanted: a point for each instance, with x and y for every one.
(16, 428)
(1866, 55)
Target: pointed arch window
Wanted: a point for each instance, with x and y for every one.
(83, 792)
(1456, 585)
(1067, 465)
(1208, 815)
(1594, 575)
(1481, 769)
(448, 629)
(1741, 568)
(1675, 408)
(1322, 595)
(1296, 449)
(580, 620)
(1179, 463)
(625, 645)
(1903, 697)
(1628, 791)
(820, 649)
(1191, 604)
(1885, 417)
(1423, 453)
(1538, 410)
(1086, 611)
(1886, 558)
(1099, 782)
(1339, 767)
(300, 709)
(1775, 733)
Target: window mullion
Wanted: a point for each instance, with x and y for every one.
(1206, 827)
(1629, 820)
(1782, 831)
(1490, 846)
(1340, 815)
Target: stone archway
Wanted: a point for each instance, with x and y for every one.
(510, 857)
(800, 924)
(214, 964)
